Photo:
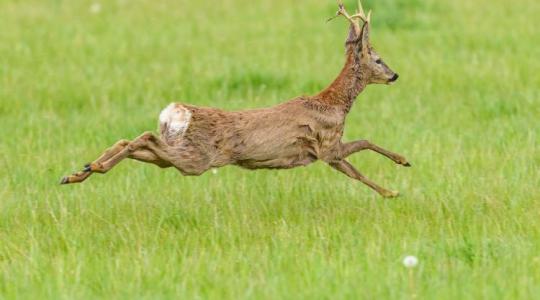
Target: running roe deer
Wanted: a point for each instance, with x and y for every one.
(295, 133)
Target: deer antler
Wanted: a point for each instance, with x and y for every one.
(342, 12)
(359, 15)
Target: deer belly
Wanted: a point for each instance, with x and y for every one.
(284, 158)
(174, 120)
(276, 163)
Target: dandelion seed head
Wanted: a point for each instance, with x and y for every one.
(410, 261)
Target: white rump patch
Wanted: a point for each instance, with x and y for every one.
(174, 121)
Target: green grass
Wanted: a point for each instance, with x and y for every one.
(465, 112)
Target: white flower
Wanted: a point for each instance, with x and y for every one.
(95, 8)
(410, 261)
(214, 171)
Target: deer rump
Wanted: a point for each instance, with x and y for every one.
(280, 137)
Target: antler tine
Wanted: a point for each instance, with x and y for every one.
(360, 9)
(342, 12)
(361, 14)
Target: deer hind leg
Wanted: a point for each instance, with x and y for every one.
(85, 172)
(346, 168)
(155, 153)
(146, 148)
(148, 156)
(112, 151)
(356, 146)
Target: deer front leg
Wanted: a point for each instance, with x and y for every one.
(346, 168)
(353, 147)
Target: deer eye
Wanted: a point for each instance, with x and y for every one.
(378, 61)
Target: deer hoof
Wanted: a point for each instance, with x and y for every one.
(65, 180)
(400, 160)
(390, 194)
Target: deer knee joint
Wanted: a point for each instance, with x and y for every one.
(139, 142)
(147, 135)
(364, 143)
(123, 143)
(97, 168)
(132, 147)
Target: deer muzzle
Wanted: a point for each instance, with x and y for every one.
(394, 78)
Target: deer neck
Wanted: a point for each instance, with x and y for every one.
(346, 87)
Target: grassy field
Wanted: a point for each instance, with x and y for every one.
(75, 77)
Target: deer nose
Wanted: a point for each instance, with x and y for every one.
(394, 78)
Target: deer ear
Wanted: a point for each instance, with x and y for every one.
(364, 40)
(353, 36)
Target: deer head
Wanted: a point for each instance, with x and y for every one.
(368, 64)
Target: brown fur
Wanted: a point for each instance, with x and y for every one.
(295, 133)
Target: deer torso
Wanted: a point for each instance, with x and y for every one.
(291, 134)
